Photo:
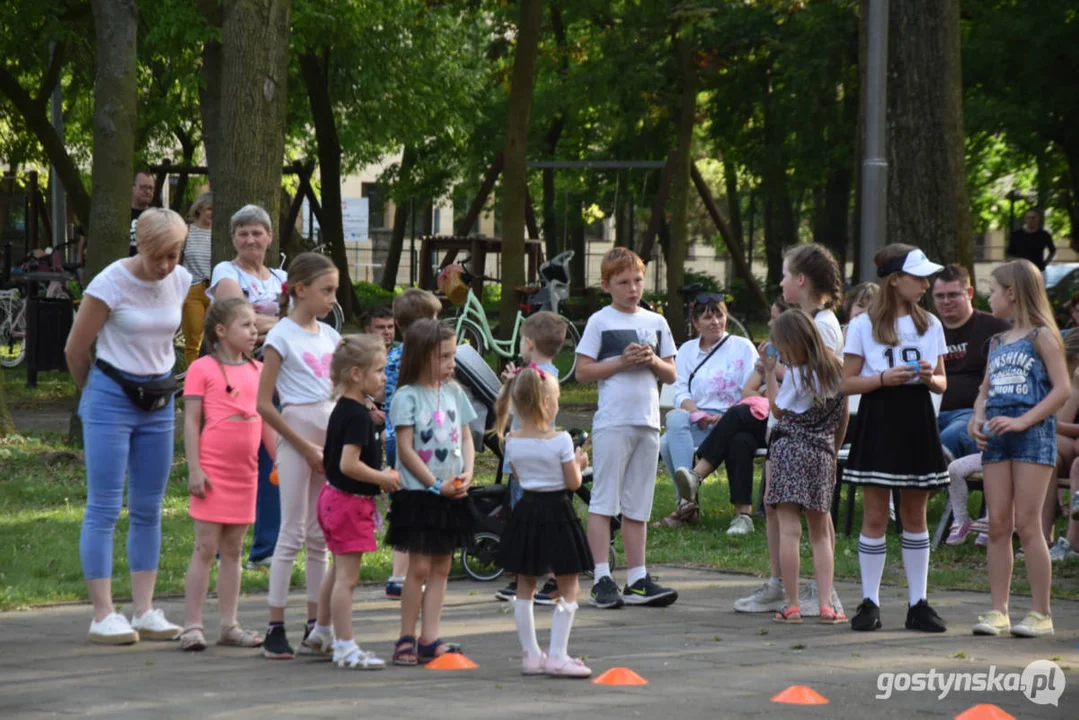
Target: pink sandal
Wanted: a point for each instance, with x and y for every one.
(790, 616)
(828, 616)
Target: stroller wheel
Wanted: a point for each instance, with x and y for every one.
(480, 559)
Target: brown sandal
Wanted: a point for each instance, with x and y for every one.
(192, 639)
(235, 636)
(687, 513)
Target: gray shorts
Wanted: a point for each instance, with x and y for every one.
(625, 459)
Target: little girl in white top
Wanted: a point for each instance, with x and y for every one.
(543, 532)
(297, 355)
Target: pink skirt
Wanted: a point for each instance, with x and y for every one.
(228, 454)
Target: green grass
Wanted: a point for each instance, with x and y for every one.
(51, 386)
(574, 393)
(42, 504)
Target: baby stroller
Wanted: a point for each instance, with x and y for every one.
(489, 505)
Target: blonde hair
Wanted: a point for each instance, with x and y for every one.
(354, 351)
(414, 304)
(526, 391)
(886, 307)
(159, 229)
(305, 269)
(1071, 349)
(207, 198)
(619, 260)
(1031, 304)
(796, 336)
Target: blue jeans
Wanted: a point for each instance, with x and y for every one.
(267, 511)
(120, 438)
(953, 432)
(677, 445)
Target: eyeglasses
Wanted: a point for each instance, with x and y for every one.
(147, 188)
(948, 296)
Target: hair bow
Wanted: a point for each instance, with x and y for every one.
(284, 288)
(531, 366)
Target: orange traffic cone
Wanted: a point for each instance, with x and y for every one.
(620, 676)
(800, 695)
(451, 661)
(984, 711)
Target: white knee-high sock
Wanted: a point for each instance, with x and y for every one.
(526, 627)
(916, 563)
(872, 552)
(561, 623)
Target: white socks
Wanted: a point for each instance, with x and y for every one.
(871, 557)
(526, 628)
(561, 623)
(916, 564)
(635, 574)
(602, 570)
(344, 647)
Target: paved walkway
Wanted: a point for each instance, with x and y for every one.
(702, 660)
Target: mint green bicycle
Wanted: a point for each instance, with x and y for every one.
(473, 329)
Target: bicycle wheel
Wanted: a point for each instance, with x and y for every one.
(179, 348)
(481, 559)
(335, 318)
(735, 327)
(471, 334)
(12, 330)
(566, 360)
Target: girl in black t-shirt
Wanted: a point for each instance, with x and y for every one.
(346, 506)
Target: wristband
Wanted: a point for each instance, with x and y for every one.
(436, 488)
(882, 379)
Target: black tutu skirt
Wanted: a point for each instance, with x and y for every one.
(543, 534)
(895, 442)
(428, 524)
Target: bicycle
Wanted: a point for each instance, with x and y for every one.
(472, 328)
(12, 328)
(690, 294)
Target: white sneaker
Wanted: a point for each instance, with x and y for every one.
(1062, 550)
(809, 599)
(152, 625)
(113, 630)
(354, 657)
(318, 643)
(687, 482)
(741, 525)
(769, 597)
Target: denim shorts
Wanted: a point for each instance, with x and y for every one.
(1036, 445)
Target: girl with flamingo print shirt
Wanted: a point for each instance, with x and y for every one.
(297, 355)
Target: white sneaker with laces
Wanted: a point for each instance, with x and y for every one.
(113, 630)
(741, 525)
(769, 597)
(152, 625)
(1062, 550)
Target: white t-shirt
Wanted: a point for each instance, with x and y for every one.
(137, 336)
(262, 294)
(877, 358)
(629, 397)
(197, 253)
(794, 395)
(718, 384)
(537, 463)
(304, 376)
(830, 331)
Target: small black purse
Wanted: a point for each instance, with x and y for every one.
(150, 395)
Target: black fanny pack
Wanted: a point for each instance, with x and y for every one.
(149, 395)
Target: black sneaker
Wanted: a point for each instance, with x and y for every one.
(922, 617)
(867, 618)
(275, 646)
(646, 592)
(605, 595)
(507, 593)
(548, 595)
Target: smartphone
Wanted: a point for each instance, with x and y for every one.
(770, 351)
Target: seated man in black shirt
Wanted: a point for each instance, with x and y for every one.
(1031, 242)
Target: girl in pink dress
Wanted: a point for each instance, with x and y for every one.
(222, 432)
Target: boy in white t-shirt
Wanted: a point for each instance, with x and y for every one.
(626, 349)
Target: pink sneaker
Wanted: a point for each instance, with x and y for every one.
(959, 533)
(533, 665)
(980, 525)
(982, 540)
(568, 668)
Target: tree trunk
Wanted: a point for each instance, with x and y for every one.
(834, 216)
(187, 149)
(578, 243)
(115, 105)
(400, 221)
(515, 173)
(927, 181)
(550, 214)
(780, 231)
(7, 425)
(685, 114)
(1071, 155)
(315, 72)
(248, 136)
(734, 204)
